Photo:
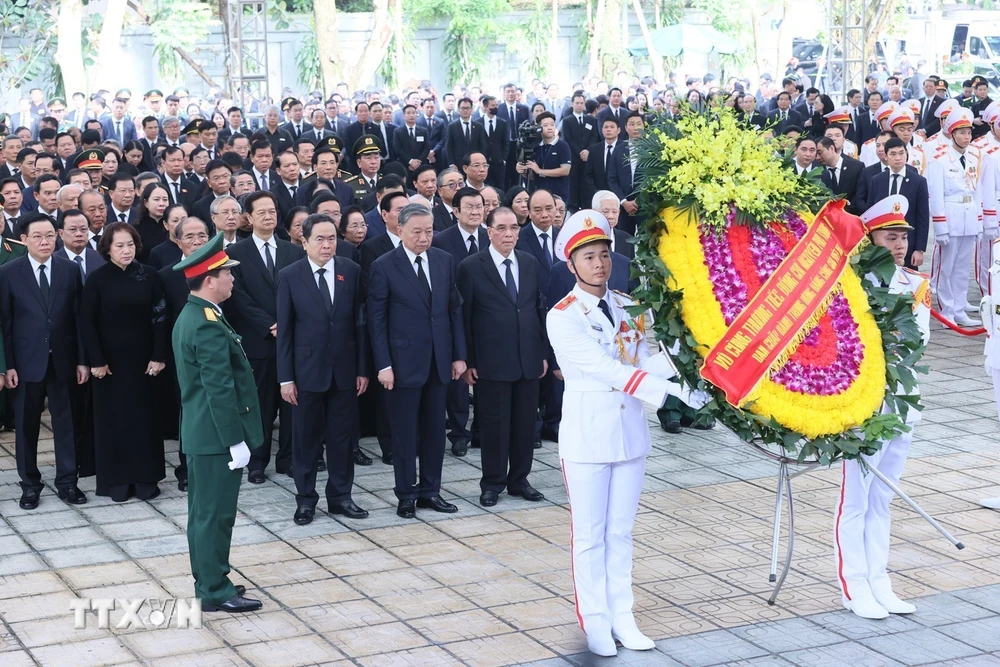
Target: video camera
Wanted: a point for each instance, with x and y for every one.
(529, 137)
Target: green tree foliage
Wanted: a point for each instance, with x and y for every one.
(32, 24)
(472, 26)
(176, 24)
(532, 42)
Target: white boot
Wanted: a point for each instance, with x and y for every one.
(600, 642)
(627, 632)
(964, 320)
(892, 604)
(865, 606)
(990, 503)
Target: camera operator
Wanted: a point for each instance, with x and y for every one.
(552, 159)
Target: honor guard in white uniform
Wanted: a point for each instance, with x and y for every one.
(861, 519)
(901, 124)
(869, 154)
(956, 205)
(841, 117)
(603, 352)
(989, 309)
(989, 151)
(936, 145)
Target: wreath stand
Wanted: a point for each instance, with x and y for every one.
(784, 490)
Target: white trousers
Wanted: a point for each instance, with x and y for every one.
(952, 279)
(995, 374)
(861, 520)
(984, 259)
(603, 500)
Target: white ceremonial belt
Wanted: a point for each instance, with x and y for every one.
(588, 385)
(964, 199)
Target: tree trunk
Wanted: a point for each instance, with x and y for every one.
(144, 17)
(555, 55)
(69, 48)
(328, 43)
(755, 15)
(881, 13)
(658, 17)
(398, 53)
(109, 53)
(594, 66)
(784, 38)
(362, 74)
(654, 55)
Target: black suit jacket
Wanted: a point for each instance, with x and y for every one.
(316, 350)
(562, 281)
(578, 136)
(457, 147)
(914, 188)
(497, 144)
(352, 133)
(285, 200)
(850, 183)
(442, 218)
(407, 149)
(406, 330)
(927, 122)
(272, 177)
(623, 182)
(866, 128)
(165, 254)
(595, 174)
(528, 242)
(452, 240)
(189, 193)
(202, 209)
(623, 244)
(368, 252)
(521, 112)
(778, 126)
(506, 338)
(435, 134)
(607, 113)
(32, 327)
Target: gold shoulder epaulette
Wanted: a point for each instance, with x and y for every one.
(564, 304)
(916, 273)
(210, 315)
(14, 241)
(624, 294)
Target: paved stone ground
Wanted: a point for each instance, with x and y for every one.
(493, 587)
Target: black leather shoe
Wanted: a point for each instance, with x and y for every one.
(488, 498)
(73, 495)
(528, 492)
(348, 509)
(235, 605)
(304, 516)
(360, 458)
(436, 503)
(182, 484)
(321, 466)
(241, 590)
(460, 449)
(255, 477)
(673, 426)
(406, 509)
(538, 444)
(29, 500)
(550, 434)
(387, 459)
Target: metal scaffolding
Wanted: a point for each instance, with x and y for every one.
(248, 56)
(846, 65)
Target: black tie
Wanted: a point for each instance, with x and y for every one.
(545, 249)
(268, 259)
(121, 217)
(292, 190)
(412, 136)
(833, 175)
(79, 263)
(43, 285)
(607, 160)
(467, 138)
(324, 291)
(491, 127)
(509, 279)
(513, 124)
(473, 248)
(371, 183)
(603, 305)
(177, 192)
(895, 185)
(454, 220)
(961, 159)
(425, 287)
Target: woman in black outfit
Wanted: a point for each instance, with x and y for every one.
(124, 328)
(152, 232)
(816, 124)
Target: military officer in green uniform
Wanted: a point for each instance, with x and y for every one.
(220, 423)
(368, 154)
(92, 161)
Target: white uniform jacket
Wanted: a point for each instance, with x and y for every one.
(990, 184)
(956, 201)
(609, 373)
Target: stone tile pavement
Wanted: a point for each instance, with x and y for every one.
(492, 587)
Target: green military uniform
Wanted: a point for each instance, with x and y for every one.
(366, 143)
(219, 409)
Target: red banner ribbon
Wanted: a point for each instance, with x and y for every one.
(779, 313)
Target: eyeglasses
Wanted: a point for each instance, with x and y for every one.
(195, 237)
(453, 186)
(479, 165)
(473, 207)
(43, 237)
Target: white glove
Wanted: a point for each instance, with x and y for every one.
(991, 233)
(942, 239)
(240, 454)
(693, 398)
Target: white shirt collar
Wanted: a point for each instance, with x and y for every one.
(116, 213)
(538, 232)
(498, 259)
(395, 239)
(901, 172)
(261, 242)
(588, 300)
(72, 255)
(329, 266)
(35, 264)
(413, 258)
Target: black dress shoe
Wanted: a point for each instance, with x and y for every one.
(304, 516)
(406, 509)
(488, 498)
(235, 605)
(672, 426)
(182, 484)
(387, 459)
(348, 509)
(360, 458)
(528, 492)
(460, 449)
(321, 466)
(436, 503)
(29, 500)
(73, 495)
(255, 477)
(538, 444)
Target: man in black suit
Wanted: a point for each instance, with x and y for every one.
(261, 159)
(383, 130)
(118, 126)
(463, 240)
(74, 235)
(902, 179)
(513, 114)
(321, 366)
(783, 115)
(843, 175)
(410, 142)
(418, 340)
(319, 131)
(219, 179)
(39, 301)
(121, 192)
(252, 310)
(497, 141)
(615, 109)
(363, 125)
(504, 316)
(435, 133)
(873, 170)
(180, 191)
(600, 155)
(287, 183)
(295, 126)
(579, 130)
(928, 122)
(623, 175)
(464, 136)
(866, 123)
